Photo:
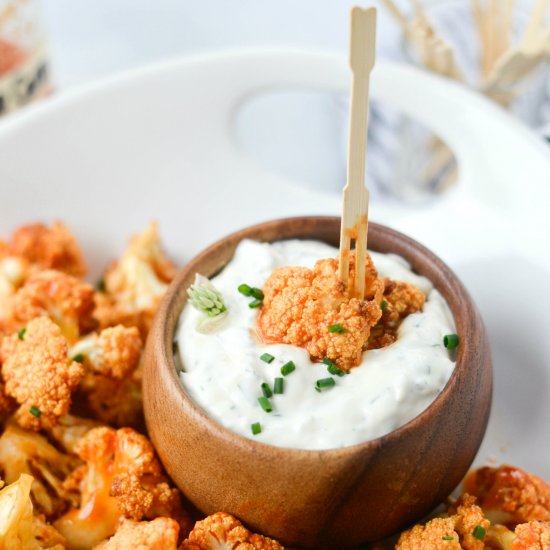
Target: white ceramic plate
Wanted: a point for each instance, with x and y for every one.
(159, 144)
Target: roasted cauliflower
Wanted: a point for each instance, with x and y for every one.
(300, 305)
(38, 373)
(222, 531)
(158, 534)
(534, 535)
(134, 285)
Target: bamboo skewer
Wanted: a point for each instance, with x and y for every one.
(355, 196)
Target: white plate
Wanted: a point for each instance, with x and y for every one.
(159, 143)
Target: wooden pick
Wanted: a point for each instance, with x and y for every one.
(355, 198)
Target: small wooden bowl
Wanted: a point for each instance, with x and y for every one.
(332, 498)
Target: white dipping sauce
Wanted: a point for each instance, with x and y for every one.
(223, 370)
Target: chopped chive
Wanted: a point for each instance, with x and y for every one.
(450, 341)
(35, 411)
(384, 306)
(257, 293)
(256, 428)
(255, 303)
(448, 537)
(78, 358)
(265, 404)
(337, 328)
(244, 289)
(325, 384)
(287, 368)
(333, 369)
(329, 362)
(266, 390)
(278, 386)
(21, 333)
(267, 357)
(100, 285)
(479, 532)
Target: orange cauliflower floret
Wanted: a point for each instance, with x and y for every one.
(121, 477)
(301, 304)
(135, 283)
(465, 528)
(400, 299)
(38, 373)
(64, 299)
(222, 531)
(70, 430)
(24, 452)
(509, 495)
(49, 248)
(534, 535)
(158, 534)
(114, 352)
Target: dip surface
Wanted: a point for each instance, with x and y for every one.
(223, 371)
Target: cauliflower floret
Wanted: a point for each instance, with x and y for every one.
(301, 304)
(135, 283)
(13, 272)
(222, 531)
(24, 452)
(509, 495)
(114, 352)
(160, 533)
(49, 248)
(121, 477)
(19, 530)
(400, 299)
(465, 528)
(70, 430)
(534, 535)
(66, 300)
(38, 374)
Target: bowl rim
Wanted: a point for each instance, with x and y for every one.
(472, 331)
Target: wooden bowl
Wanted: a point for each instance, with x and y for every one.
(331, 498)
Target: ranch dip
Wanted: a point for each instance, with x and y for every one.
(223, 372)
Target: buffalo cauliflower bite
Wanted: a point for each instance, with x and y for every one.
(114, 352)
(160, 533)
(52, 247)
(509, 495)
(38, 373)
(135, 283)
(465, 528)
(19, 529)
(534, 535)
(300, 305)
(24, 452)
(399, 300)
(70, 429)
(66, 300)
(13, 272)
(121, 477)
(222, 531)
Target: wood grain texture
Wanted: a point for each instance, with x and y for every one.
(321, 499)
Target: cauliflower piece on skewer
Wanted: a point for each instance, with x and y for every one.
(222, 531)
(121, 477)
(135, 283)
(160, 533)
(38, 374)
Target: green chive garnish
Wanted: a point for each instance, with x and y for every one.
(383, 306)
(448, 537)
(325, 384)
(257, 293)
(100, 285)
(450, 341)
(255, 303)
(244, 289)
(35, 411)
(333, 369)
(337, 328)
(279, 385)
(287, 368)
(267, 357)
(266, 390)
(265, 404)
(78, 358)
(479, 532)
(329, 362)
(21, 333)
(256, 428)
